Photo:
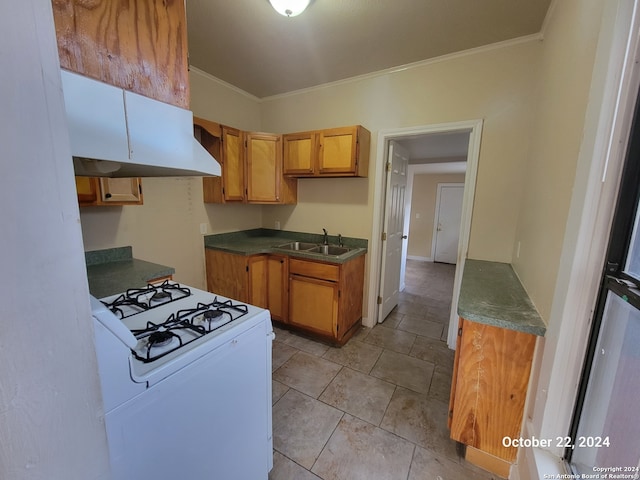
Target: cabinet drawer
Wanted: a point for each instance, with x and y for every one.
(324, 271)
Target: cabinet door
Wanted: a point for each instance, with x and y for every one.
(278, 286)
(264, 168)
(145, 50)
(313, 304)
(300, 151)
(87, 189)
(232, 165)
(108, 191)
(337, 151)
(227, 274)
(120, 191)
(492, 375)
(257, 282)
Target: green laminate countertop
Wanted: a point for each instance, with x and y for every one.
(264, 240)
(492, 294)
(113, 270)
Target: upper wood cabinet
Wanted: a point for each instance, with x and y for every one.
(251, 165)
(232, 164)
(139, 46)
(336, 152)
(300, 151)
(108, 191)
(265, 182)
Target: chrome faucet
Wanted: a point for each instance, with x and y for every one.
(340, 244)
(326, 237)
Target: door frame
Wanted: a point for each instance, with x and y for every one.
(474, 127)
(436, 216)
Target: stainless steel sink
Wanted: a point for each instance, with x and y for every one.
(298, 246)
(329, 250)
(333, 250)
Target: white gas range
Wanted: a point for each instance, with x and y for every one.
(186, 382)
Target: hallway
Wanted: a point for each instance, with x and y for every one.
(377, 407)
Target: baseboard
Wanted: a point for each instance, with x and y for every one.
(420, 259)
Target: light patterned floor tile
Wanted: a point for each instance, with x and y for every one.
(403, 370)
(358, 394)
(390, 338)
(307, 373)
(421, 420)
(358, 450)
(357, 355)
(286, 469)
(301, 426)
(429, 465)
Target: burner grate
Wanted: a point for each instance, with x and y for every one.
(137, 300)
(188, 325)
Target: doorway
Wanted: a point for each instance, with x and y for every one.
(446, 231)
(472, 129)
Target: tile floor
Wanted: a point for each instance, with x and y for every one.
(377, 407)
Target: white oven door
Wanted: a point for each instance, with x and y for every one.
(209, 420)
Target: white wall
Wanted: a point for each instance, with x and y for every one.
(51, 418)
(562, 93)
(494, 85)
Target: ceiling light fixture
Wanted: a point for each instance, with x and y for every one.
(289, 8)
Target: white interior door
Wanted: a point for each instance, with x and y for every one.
(448, 220)
(396, 186)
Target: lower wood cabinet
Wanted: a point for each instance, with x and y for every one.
(94, 191)
(313, 305)
(278, 287)
(238, 277)
(488, 391)
(320, 298)
(326, 299)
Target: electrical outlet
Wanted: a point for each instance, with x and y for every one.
(277, 224)
(518, 250)
(203, 228)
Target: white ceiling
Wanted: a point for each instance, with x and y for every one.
(248, 45)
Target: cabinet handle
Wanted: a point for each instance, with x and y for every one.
(107, 195)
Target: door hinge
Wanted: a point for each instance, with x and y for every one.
(388, 166)
(339, 293)
(384, 236)
(379, 300)
(140, 188)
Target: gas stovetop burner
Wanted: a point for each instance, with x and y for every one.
(160, 339)
(183, 327)
(160, 296)
(138, 300)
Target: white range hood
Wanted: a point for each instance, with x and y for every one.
(116, 133)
